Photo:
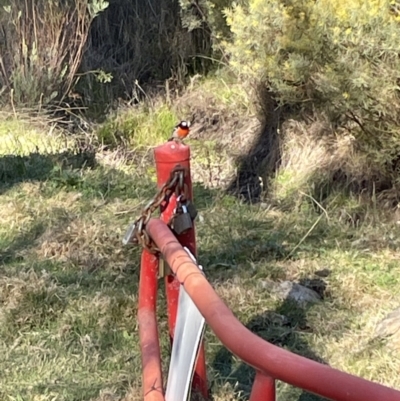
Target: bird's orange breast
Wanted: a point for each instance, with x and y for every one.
(182, 132)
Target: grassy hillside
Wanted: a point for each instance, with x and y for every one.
(68, 289)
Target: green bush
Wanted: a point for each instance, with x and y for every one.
(337, 58)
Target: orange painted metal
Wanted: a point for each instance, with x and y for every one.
(263, 388)
(266, 358)
(167, 157)
(153, 389)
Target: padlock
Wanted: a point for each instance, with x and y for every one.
(191, 208)
(182, 221)
(130, 235)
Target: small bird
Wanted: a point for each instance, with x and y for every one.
(181, 131)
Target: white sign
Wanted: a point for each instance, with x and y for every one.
(188, 335)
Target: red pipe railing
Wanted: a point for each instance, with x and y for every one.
(153, 385)
(270, 361)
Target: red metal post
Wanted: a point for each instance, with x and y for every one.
(263, 388)
(148, 332)
(167, 157)
(253, 350)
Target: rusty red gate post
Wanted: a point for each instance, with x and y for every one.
(263, 388)
(153, 389)
(167, 157)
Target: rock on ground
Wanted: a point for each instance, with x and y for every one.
(390, 327)
(289, 290)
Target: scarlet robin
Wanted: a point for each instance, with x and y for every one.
(181, 131)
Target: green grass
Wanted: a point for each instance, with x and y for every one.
(139, 129)
(68, 289)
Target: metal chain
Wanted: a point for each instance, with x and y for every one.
(176, 184)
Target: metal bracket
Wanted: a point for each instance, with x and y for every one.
(163, 268)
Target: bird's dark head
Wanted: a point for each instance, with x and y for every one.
(184, 124)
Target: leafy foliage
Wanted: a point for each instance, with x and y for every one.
(334, 58)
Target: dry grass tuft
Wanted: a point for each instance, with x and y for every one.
(318, 159)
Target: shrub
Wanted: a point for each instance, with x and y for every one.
(340, 59)
(41, 47)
